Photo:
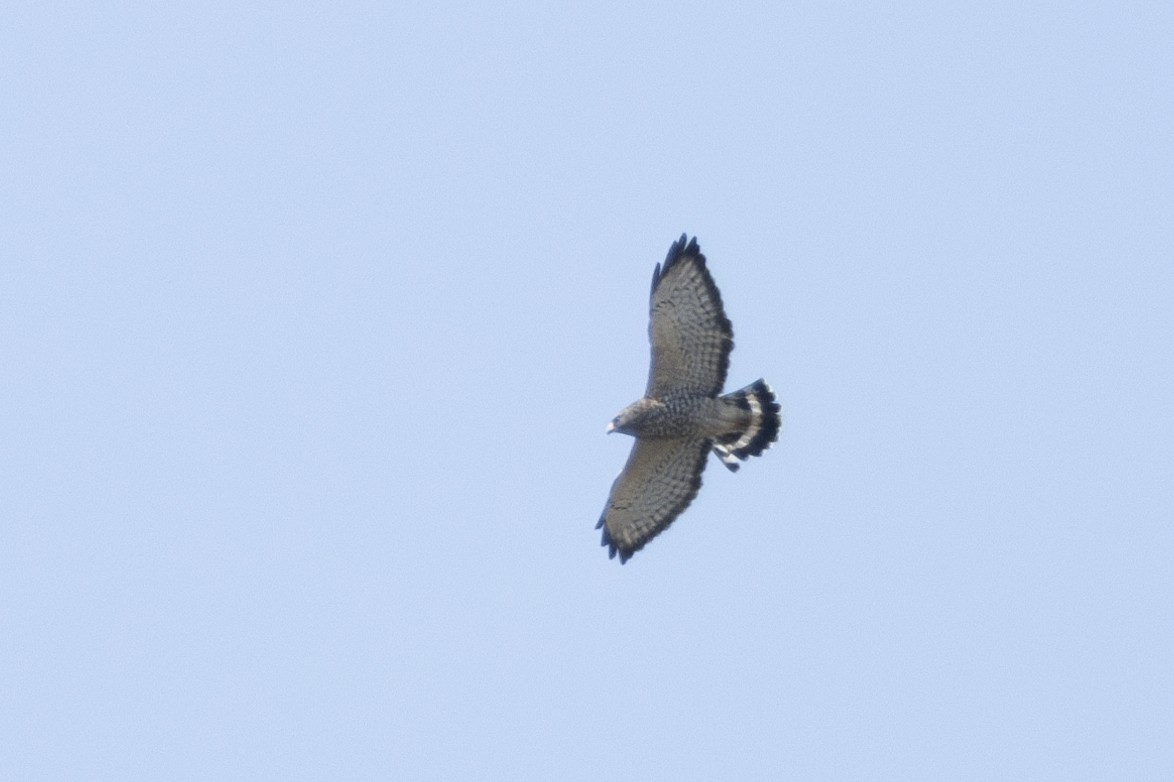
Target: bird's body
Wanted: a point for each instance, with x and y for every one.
(683, 415)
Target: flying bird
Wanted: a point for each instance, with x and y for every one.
(683, 414)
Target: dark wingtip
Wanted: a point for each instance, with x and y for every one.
(678, 250)
(606, 540)
(612, 548)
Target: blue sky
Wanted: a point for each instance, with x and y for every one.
(311, 319)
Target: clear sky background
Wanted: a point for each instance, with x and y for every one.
(312, 317)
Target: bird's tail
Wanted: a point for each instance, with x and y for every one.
(760, 426)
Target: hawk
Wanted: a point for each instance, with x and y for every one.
(683, 414)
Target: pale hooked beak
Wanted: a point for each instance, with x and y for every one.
(611, 427)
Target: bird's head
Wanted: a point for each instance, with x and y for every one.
(631, 417)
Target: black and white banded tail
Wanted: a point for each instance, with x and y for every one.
(760, 414)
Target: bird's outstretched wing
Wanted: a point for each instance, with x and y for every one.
(659, 481)
(690, 334)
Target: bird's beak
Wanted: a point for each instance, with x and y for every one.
(611, 427)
